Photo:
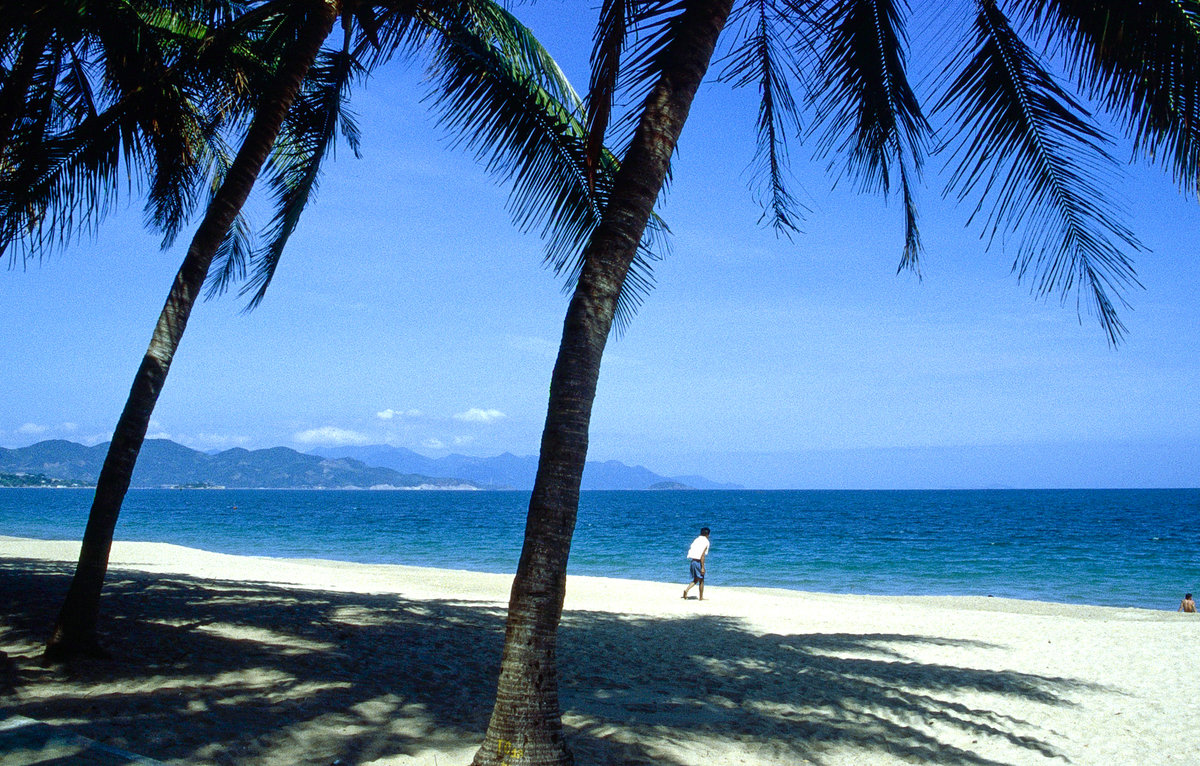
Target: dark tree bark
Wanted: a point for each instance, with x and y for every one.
(526, 722)
(75, 631)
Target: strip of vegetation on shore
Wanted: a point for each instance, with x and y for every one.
(39, 480)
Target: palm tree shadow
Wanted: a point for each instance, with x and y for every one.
(794, 696)
(225, 672)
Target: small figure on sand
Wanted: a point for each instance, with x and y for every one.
(1187, 605)
(697, 554)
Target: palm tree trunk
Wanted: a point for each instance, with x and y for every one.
(75, 631)
(526, 722)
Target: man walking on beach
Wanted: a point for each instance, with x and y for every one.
(697, 553)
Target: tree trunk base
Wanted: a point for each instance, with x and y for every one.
(62, 649)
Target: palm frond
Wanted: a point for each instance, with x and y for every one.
(763, 57)
(1141, 62)
(62, 184)
(492, 23)
(518, 131)
(176, 139)
(526, 135)
(873, 117)
(76, 95)
(609, 42)
(910, 258)
(309, 134)
(232, 257)
(1028, 148)
(395, 29)
(650, 27)
(30, 50)
(141, 48)
(230, 261)
(143, 84)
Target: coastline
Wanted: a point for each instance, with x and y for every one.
(243, 660)
(1096, 547)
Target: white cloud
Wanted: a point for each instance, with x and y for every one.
(331, 435)
(389, 413)
(432, 443)
(155, 430)
(476, 415)
(32, 429)
(460, 441)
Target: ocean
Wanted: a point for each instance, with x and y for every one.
(1106, 547)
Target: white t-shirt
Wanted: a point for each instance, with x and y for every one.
(699, 548)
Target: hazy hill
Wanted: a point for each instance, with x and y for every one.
(512, 471)
(164, 463)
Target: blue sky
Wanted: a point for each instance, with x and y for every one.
(409, 311)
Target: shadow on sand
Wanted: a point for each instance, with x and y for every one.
(229, 673)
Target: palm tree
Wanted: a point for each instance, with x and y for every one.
(497, 82)
(75, 630)
(1020, 145)
(92, 86)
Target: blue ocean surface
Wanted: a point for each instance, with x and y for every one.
(1106, 547)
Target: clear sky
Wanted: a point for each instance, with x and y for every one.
(409, 311)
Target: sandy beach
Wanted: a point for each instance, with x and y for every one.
(238, 660)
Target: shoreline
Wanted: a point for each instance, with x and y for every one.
(124, 555)
(1079, 548)
(244, 661)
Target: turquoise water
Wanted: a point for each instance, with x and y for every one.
(1109, 547)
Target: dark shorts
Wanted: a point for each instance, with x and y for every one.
(696, 573)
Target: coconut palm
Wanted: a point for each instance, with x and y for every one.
(75, 629)
(1023, 153)
(91, 89)
(491, 64)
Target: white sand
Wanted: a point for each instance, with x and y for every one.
(237, 660)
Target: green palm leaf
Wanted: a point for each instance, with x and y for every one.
(872, 115)
(1141, 62)
(152, 100)
(649, 28)
(616, 18)
(233, 256)
(309, 134)
(527, 135)
(764, 56)
(1030, 150)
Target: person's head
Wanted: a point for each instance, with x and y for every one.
(704, 531)
(1188, 596)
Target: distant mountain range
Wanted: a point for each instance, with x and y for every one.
(164, 463)
(509, 470)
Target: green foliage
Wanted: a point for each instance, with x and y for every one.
(763, 56)
(37, 480)
(874, 117)
(1025, 156)
(1027, 146)
(1141, 62)
(116, 95)
(524, 121)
